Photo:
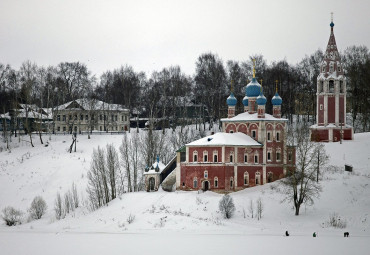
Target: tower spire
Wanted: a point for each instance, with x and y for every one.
(277, 81)
(261, 84)
(231, 87)
(332, 23)
(254, 67)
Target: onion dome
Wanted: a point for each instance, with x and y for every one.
(253, 88)
(261, 99)
(276, 100)
(245, 101)
(231, 100)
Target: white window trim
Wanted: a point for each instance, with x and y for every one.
(254, 158)
(231, 156)
(215, 153)
(246, 177)
(205, 174)
(215, 182)
(245, 155)
(269, 152)
(258, 176)
(254, 133)
(195, 153)
(269, 135)
(195, 181)
(205, 153)
(278, 136)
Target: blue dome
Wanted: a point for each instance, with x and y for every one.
(245, 101)
(253, 88)
(276, 100)
(332, 24)
(231, 100)
(261, 99)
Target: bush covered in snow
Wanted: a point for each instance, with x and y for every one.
(226, 206)
(336, 221)
(38, 208)
(12, 216)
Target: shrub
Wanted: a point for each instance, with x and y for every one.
(12, 216)
(336, 222)
(38, 208)
(226, 206)
(58, 208)
(130, 219)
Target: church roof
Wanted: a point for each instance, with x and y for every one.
(160, 165)
(245, 116)
(331, 63)
(228, 139)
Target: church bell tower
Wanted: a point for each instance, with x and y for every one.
(331, 97)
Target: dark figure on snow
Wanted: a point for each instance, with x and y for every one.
(346, 234)
(286, 233)
(314, 234)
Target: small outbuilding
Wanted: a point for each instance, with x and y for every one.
(153, 176)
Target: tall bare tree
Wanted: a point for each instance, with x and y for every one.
(300, 185)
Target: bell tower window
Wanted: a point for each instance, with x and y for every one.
(331, 86)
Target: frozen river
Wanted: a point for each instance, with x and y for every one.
(36, 243)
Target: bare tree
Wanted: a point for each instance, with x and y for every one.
(113, 167)
(300, 186)
(226, 206)
(125, 157)
(260, 208)
(251, 208)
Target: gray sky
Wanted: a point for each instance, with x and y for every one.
(151, 35)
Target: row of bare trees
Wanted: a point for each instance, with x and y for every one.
(172, 96)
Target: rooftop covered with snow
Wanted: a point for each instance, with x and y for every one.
(228, 139)
(245, 116)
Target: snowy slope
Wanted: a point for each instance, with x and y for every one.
(27, 172)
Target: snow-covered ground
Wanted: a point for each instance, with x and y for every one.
(179, 222)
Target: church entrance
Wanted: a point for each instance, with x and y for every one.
(206, 185)
(151, 184)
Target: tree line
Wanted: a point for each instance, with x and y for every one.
(168, 93)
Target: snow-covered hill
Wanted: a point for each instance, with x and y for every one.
(181, 218)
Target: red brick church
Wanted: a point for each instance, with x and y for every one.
(250, 151)
(331, 93)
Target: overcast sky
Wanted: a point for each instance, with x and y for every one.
(151, 35)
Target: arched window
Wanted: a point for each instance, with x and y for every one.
(231, 182)
(206, 174)
(256, 158)
(331, 67)
(258, 178)
(245, 158)
(269, 152)
(216, 182)
(331, 86)
(195, 156)
(195, 183)
(278, 155)
(278, 136)
(254, 134)
(205, 156)
(269, 136)
(246, 178)
(215, 156)
(231, 156)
